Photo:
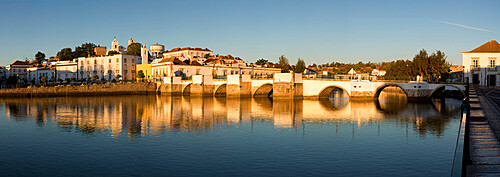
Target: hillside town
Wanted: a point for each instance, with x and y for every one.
(154, 62)
(118, 64)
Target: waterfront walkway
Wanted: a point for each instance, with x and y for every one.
(484, 132)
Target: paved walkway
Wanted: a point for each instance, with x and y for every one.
(484, 145)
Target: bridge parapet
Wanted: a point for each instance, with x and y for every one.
(171, 86)
(287, 85)
(239, 86)
(202, 86)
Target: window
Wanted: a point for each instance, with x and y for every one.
(124, 60)
(197, 71)
(88, 62)
(109, 60)
(475, 63)
(95, 61)
(117, 60)
(132, 60)
(493, 62)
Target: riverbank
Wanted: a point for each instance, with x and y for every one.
(483, 157)
(81, 90)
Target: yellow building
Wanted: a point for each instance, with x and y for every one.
(146, 69)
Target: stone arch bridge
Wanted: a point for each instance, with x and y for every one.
(292, 85)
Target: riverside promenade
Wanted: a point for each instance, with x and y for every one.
(484, 132)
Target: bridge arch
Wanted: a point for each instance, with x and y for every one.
(186, 90)
(442, 87)
(382, 87)
(325, 92)
(265, 90)
(220, 90)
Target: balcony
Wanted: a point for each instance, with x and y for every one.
(475, 68)
(492, 68)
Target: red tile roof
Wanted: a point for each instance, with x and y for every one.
(489, 47)
(17, 62)
(186, 48)
(174, 60)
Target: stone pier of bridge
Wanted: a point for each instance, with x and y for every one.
(292, 86)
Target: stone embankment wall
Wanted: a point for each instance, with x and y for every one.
(82, 90)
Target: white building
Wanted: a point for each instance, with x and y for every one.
(481, 66)
(108, 67)
(188, 53)
(18, 68)
(65, 70)
(173, 66)
(37, 72)
(3, 73)
(377, 72)
(169, 66)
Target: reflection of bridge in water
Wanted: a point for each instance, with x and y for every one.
(149, 115)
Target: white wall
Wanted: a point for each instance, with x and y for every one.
(483, 62)
(108, 67)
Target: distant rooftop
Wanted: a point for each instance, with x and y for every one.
(186, 48)
(489, 47)
(17, 62)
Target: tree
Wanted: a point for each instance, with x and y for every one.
(72, 79)
(300, 66)
(207, 55)
(43, 80)
(283, 64)
(95, 77)
(140, 74)
(65, 54)
(261, 61)
(430, 66)
(134, 49)
(111, 53)
(118, 76)
(13, 80)
(88, 48)
(39, 57)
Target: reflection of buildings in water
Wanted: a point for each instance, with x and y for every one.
(151, 115)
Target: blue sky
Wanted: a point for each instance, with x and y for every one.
(316, 31)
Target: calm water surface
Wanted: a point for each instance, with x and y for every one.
(187, 136)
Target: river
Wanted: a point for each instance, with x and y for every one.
(193, 136)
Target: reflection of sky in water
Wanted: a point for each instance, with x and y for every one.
(158, 135)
